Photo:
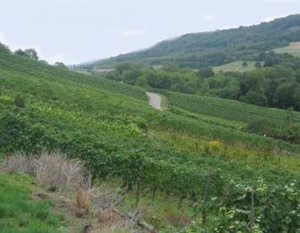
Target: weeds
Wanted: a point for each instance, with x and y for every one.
(54, 169)
(83, 199)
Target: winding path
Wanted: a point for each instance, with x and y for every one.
(154, 100)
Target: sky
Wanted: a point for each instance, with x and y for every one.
(76, 31)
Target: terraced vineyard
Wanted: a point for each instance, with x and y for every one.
(196, 153)
(227, 109)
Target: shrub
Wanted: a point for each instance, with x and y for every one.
(212, 147)
(255, 98)
(19, 101)
(262, 126)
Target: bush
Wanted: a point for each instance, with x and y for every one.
(262, 126)
(254, 98)
(20, 101)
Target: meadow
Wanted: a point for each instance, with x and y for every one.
(293, 48)
(236, 66)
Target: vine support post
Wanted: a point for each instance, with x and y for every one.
(205, 197)
(252, 213)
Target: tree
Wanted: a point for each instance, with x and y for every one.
(4, 48)
(128, 66)
(170, 67)
(258, 64)
(284, 95)
(245, 63)
(61, 65)
(20, 101)
(296, 98)
(255, 98)
(141, 81)
(44, 62)
(206, 72)
(30, 53)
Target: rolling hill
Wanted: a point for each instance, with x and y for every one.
(217, 47)
(193, 166)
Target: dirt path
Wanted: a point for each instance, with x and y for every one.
(154, 100)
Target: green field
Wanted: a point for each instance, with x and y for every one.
(235, 67)
(196, 153)
(293, 48)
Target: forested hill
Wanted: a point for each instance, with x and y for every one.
(217, 47)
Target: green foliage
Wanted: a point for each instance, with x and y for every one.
(244, 63)
(263, 127)
(61, 65)
(274, 86)
(19, 102)
(252, 97)
(4, 48)
(29, 53)
(254, 208)
(271, 122)
(206, 72)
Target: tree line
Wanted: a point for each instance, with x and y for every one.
(274, 83)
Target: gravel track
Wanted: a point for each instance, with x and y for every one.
(154, 100)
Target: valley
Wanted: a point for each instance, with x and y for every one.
(174, 149)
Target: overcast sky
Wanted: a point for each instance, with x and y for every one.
(74, 31)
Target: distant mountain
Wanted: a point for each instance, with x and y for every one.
(218, 47)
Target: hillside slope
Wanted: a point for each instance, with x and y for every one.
(198, 162)
(217, 47)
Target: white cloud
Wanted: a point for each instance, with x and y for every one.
(60, 57)
(14, 47)
(131, 33)
(208, 17)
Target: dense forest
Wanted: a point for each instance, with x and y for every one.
(215, 48)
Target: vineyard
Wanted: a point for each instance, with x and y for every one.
(197, 152)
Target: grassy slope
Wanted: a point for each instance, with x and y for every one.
(293, 48)
(226, 109)
(112, 117)
(19, 213)
(235, 67)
